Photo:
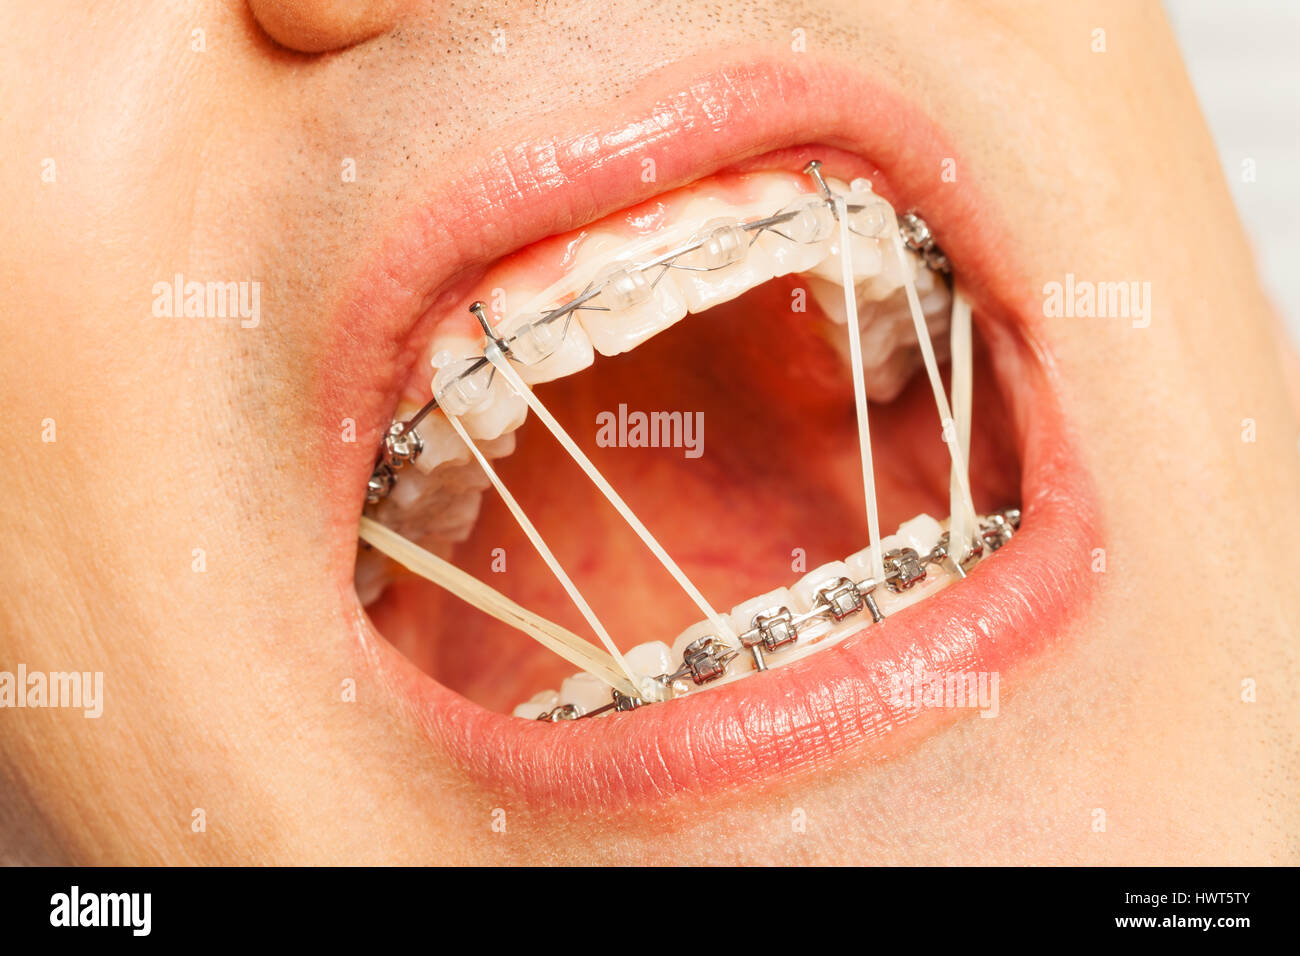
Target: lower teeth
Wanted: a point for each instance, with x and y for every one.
(839, 605)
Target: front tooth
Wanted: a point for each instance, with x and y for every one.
(650, 659)
(585, 691)
(803, 242)
(638, 308)
(804, 591)
(568, 345)
(724, 267)
(537, 705)
(741, 617)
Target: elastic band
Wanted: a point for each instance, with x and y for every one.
(860, 392)
(941, 401)
(962, 406)
(535, 537)
(502, 365)
(471, 590)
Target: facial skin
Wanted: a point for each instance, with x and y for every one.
(223, 686)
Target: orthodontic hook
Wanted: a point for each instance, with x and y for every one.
(479, 310)
(814, 169)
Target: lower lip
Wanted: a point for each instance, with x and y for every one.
(837, 705)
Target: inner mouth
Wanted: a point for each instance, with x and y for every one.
(755, 487)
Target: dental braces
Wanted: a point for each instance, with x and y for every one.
(706, 659)
(807, 220)
(463, 385)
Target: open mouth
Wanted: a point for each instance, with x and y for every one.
(765, 571)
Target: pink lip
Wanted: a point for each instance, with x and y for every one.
(817, 711)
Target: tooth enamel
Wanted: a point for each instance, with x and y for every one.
(584, 690)
(407, 494)
(804, 591)
(454, 521)
(502, 412)
(441, 444)
(871, 253)
(484, 402)
(919, 533)
(730, 267)
(802, 243)
(650, 659)
(572, 354)
(537, 705)
(741, 617)
(691, 634)
(890, 354)
(630, 322)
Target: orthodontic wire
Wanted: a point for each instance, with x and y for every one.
(547, 555)
(502, 365)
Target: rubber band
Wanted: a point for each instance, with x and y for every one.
(471, 590)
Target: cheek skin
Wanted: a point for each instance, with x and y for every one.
(225, 685)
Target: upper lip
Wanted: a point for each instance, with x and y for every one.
(691, 124)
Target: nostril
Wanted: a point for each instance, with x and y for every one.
(321, 26)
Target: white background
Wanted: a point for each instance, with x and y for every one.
(1244, 60)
